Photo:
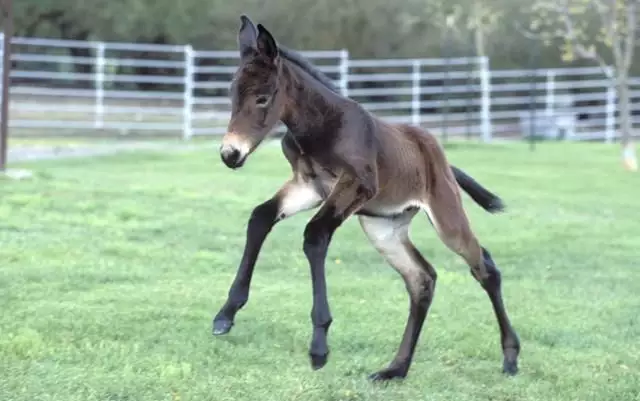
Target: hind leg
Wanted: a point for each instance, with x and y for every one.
(391, 239)
(450, 221)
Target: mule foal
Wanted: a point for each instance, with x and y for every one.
(382, 172)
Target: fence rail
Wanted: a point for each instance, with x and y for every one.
(77, 87)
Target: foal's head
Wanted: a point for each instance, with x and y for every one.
(257, 102)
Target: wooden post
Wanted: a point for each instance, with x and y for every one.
(6, 68)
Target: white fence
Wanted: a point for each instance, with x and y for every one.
(75, 87)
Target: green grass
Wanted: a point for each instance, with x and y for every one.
(112, 268)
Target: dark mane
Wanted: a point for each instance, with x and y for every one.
(297, 59)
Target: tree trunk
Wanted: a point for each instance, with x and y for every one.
(478, 34)
(629, 158)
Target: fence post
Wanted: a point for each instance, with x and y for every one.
(344, 72)
(415, 93)
(1, 55)
(3, 132)
(610, 122)
(98, 118)
(485, 101)
(187, 131)
(550, 94)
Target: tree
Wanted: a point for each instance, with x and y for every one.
(603, 31)
(481, 18)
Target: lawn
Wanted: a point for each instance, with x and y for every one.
(112, 268)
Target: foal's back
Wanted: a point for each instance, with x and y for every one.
(411, 163)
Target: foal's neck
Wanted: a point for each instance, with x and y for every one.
(312, 111)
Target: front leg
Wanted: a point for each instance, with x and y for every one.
(260, 223)
(295, 196)
(348, 195)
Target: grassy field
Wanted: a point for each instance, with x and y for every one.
(111, 270)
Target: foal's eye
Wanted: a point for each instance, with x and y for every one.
(262, 100)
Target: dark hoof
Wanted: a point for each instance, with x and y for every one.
(221, 327)
(387, 374)
(510, 360)
(510, 368)
(318, 361)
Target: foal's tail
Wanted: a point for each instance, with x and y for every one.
(482, 196)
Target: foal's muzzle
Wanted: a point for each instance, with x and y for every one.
(235, 149)
(232, 156)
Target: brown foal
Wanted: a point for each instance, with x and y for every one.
(349, 162)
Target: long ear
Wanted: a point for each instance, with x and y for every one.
(247, 36)
(266, 43)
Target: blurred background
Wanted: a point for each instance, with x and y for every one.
(503, 69)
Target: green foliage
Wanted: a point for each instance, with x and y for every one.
(112, 269)
(481, 18)
(590, 29)
(368, 28)
(603, 31)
